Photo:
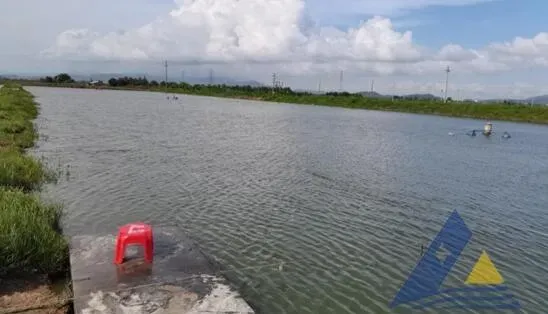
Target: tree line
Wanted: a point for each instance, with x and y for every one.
(59, 78)
(143, 82)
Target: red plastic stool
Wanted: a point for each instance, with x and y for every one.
(134, 233)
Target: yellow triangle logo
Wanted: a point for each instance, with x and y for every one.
(484, 272)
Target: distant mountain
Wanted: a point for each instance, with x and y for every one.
(222, 80)
(373, 95)
(10, 76)
(498, 100)
(543, 99)
(300, 90)
(537, 100)
(422, 96)
(409, 96)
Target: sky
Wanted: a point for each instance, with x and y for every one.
(493, 48)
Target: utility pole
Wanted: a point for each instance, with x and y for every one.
(165, 65)
(183, 76)
(320, 85)
(341, 82)
(210, 76)
(447, 70)
(273, 82)
(372, 84)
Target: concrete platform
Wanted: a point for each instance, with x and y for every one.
(180, 280)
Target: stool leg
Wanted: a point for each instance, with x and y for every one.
(120, 250)
(149, 249)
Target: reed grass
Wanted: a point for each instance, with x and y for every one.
(31, 240)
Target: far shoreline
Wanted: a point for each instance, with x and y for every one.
(518, 113)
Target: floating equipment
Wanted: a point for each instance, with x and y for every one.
(487, 128)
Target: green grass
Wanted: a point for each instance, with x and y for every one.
(30, 240)
(17, 110)
(30, 237)
(21, 171)
(492, 111)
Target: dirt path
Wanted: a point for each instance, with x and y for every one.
(34, 296)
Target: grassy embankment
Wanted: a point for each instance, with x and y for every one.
(492, 111)
(32, 248)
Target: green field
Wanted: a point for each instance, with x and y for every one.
(31, 241)
(493, 111)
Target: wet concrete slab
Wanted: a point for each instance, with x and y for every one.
(180, 280)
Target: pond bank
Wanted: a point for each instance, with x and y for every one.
(34, 255)
(459, 109)
(36, 267)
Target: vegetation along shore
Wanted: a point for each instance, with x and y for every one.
(464, 109)
(34, 254)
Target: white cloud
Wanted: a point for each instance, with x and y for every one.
(529, 50)
(520, 53)
(254, 38)
(456, 53)
(32, 24)
(246, 30)
(279, 32)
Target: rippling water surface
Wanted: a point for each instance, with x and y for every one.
(344, 198)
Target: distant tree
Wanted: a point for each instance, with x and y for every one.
(142, 81)
(207, 88)
(63, 78)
